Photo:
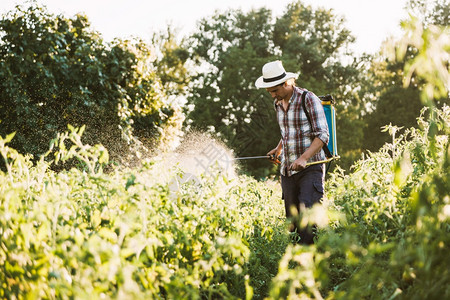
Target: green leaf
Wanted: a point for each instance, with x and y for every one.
(9, 137)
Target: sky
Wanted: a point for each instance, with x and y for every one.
(370, 21)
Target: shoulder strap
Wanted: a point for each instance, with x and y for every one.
(325, 147)
(304, 107)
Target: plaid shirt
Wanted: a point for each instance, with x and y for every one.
(296, 132)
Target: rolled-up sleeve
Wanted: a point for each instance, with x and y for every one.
(318, 120)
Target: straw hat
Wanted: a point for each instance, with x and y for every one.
(273, 74)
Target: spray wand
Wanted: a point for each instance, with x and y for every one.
(277, 161)
(252, 157)
(271, 157)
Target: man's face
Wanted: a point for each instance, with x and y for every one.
(277, 92)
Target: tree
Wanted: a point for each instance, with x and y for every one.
(313, 41)
(56, 71)
(235, 46)
(436, 12)
(171, 61)
(394, 103)
(390, 102)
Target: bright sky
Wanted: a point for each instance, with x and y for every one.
(370, 21)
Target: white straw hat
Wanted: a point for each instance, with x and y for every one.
(273, 74)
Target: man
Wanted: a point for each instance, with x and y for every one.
(301, 143)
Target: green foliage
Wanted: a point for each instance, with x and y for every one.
(431, 62)
(170, 64)
(411, 75)
(390, 238)
(396, 105)
(81, 233)
(56, 71)
(311, 41)
(435, 12)
(234, 44)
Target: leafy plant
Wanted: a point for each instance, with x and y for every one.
(392, 237)
(82, 233)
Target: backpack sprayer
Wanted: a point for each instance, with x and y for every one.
(330, 149)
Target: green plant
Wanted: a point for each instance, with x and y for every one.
(83, 233)
(391, 237)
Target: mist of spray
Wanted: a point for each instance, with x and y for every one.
(203, 155)
(197, 158)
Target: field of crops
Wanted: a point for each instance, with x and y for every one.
(86, 233)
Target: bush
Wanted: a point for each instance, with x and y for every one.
(56, 71)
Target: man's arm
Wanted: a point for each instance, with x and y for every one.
(300, 163)
(318, 121)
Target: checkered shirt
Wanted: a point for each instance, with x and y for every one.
(296, 132)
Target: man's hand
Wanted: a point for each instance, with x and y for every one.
(272, 152)
(273, 155)
(298, 165)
